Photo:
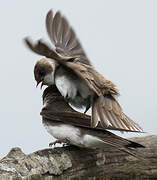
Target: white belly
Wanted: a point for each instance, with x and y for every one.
(67, 87)
(75, 90)
(67, 132)
(73, 135)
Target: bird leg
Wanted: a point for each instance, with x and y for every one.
(89, 102)
(87, 108)
(65, 142)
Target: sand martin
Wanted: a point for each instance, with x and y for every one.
(76, 79)
(71, 127)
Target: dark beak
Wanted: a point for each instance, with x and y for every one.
(38, 82)
(41, 85)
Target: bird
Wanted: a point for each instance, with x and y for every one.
(73, 128)
(68, 67)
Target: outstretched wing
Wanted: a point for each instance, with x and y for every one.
(93, 78)
(105, 108)
(108, 112)
(64, 38)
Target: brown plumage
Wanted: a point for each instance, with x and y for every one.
(64, 38)
(56, 112)
(71, 58)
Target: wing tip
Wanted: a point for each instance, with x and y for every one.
(28, 42)
(50, 12)
(135, 145)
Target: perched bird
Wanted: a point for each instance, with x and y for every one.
(76, 79)
(71, 127)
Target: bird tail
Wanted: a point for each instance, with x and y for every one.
(108, 112)
(127, 146)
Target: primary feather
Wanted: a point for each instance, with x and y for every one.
(64, 38)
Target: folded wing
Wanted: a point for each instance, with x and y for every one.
(52, 99)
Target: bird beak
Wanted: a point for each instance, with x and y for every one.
(38, 82)
(41, 85)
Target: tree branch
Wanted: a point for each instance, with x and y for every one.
(75, 163)
(66, 163)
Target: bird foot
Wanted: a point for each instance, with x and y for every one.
(65, 143)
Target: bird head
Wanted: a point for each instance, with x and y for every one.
(44, 71)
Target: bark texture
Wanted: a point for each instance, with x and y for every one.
(74, 163)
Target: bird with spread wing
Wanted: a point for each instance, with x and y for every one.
(76, 79)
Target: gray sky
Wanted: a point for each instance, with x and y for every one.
(120, 38)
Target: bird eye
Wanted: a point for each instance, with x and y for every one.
(41, 73)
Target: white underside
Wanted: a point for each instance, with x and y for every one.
(68, 87)
(71, 87)
(72, 134)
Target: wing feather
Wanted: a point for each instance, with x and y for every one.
(95, 118)
(103, 118)
(104, 89)
(63, 37)
(49, 18)
(112, 120)
(52, 99)
(111, 115)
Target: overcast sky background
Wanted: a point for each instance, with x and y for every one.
(119, 37)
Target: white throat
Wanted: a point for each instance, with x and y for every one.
(49, 79)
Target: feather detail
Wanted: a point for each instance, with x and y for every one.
(95, 118)
(110, 114)
(106, 109)
(63, 37)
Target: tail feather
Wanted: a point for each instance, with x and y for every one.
(133, 144)
(111, 115)
(126, 146)
(133, 153)
(95, 117)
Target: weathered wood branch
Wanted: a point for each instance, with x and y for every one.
(66, 163)
(75, 163)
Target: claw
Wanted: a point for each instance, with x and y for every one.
(65, 143)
